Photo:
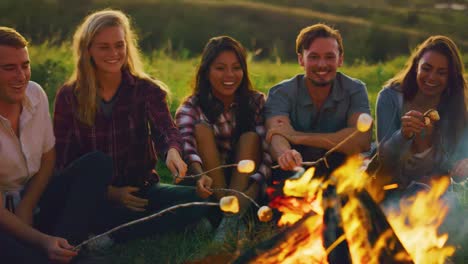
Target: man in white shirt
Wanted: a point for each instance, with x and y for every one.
(27, 158)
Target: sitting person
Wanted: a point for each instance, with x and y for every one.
(311, 113)
(110, 104)
(222, 123)
(31, 196)
(415, 146)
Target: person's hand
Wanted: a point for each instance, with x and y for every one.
(175, 164)
(285, 130)
(57, 249)
(412, 123)
(460, 170)
(203, 186)
(290, 159)
(124, 196)
(24, 213)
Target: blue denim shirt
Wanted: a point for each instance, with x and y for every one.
(291, 98)
(394, 148)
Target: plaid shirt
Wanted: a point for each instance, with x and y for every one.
(123, 135)
(189, 114)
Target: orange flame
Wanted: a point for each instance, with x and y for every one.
(415, 225)
(417, 222)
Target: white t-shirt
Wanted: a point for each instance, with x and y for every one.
(20, 158)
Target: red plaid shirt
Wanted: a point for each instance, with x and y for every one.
(123, 135)
(189, 114)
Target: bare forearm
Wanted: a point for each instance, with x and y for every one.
(195, 168)
(39, 181)
(12, 225)
(278, 145)
(358, 143)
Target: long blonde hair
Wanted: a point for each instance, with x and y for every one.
(84, 76)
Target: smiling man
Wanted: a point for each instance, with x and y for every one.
(312, 112)
(32, 198)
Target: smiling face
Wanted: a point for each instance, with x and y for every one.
(15, 73)
(321, 61)
(225, 75)
(108, 50)
(432, 73)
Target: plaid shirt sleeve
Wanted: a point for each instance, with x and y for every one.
(167, 135)
(66, 143)
(186, 118)
(263, 173)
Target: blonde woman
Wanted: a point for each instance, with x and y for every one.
(110, 104)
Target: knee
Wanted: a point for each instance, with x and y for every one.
(203, 132)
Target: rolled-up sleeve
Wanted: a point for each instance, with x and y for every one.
(186, 119)
(278, 103)
(49, 138)
(359, 100)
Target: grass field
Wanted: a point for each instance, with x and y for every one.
(51, 65)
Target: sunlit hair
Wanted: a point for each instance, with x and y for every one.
(84, 76)
(210, 105)
(310, 33)
(453, 101)
(11, 37)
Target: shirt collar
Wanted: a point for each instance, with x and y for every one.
(30, 101)
(337, 91)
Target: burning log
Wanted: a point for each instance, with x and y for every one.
(324, 239)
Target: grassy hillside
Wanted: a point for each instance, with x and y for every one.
(372, 32)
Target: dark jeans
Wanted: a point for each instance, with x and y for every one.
(160, 196)
(14, 251)
(67, 207)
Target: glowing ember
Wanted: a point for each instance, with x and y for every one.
(246, 166)
(302, 246)
(229, 204)
(390, 186)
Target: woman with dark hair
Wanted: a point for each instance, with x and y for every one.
(415, 146)
(222, 123)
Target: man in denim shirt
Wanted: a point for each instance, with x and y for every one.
(312, 112)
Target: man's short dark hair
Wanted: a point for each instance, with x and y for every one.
(310, 33)
(11, 37)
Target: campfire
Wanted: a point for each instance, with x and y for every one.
(335, 220)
